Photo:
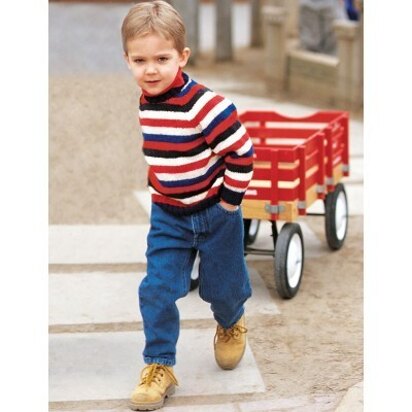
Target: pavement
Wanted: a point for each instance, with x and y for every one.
(96, 336)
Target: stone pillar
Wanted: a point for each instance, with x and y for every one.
(189, 10)
(350, 73)
(361, 41)
(224, 49)
(275, 47)
(292, 15)
(256, 29)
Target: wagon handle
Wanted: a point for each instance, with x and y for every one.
(321, 164)
(274, 208)
(302, 181)
(329, 165)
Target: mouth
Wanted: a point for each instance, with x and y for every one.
(152, 82)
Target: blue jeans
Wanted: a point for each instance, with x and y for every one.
(172, 244)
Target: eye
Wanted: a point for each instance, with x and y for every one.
(163, 59)
(138, 61)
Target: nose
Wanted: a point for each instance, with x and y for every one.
(151, 69)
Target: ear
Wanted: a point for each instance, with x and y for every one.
(184, 57)
(126, 58)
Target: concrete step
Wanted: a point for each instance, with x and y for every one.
(102, 366)
(102, 297)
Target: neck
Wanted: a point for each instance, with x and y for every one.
(177, 82)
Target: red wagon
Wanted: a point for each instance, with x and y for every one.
(297, 161)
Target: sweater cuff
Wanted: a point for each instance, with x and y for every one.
(231, 197)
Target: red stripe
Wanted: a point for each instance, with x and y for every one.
(169, 201)
(221, 127)
(237, 145)
(236, 183)
(180, 101)
(214, 101)
(242, 161)
(182, 147)
(159, 122)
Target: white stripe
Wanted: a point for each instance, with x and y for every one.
(241, 177)
(234, 189)
(172, 115)
(171, 131)
(214, 112)
(230, 140)
(177, 161)
(245, 148)
(168, 177)
(201, 196)
(193, 199)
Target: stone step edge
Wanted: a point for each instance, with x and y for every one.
(138, 325)
(205, 400)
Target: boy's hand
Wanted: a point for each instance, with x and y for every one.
(228, 206)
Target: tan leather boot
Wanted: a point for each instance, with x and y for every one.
(230, 344)
(157, 382)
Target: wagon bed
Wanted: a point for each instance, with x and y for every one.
(297, 161)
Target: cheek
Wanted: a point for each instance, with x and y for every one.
(137, 72)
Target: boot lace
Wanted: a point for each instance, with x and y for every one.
(155, 373)
(225, 335)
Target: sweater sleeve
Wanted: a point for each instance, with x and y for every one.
(228, 138)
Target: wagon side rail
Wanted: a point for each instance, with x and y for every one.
(265, 126)
(262, 117)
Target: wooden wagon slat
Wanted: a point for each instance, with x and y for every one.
(296, 161)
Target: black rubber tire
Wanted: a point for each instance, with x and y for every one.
(194, 283)
(334, 242)
(250, 236)
(283, 286)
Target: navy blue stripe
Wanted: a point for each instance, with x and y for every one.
(218, 119)
(170, 138)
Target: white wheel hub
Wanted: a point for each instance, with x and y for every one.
(253, 227)
(341, 216)
(294, 260)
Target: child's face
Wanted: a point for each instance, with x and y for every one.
(154, 62)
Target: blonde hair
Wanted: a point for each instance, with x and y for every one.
(154, 17)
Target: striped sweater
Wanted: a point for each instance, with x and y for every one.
(197, 150)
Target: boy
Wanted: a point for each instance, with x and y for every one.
(200, 165)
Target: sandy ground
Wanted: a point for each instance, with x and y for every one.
(316, 345)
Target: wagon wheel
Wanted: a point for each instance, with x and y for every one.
(336, 217)
(251, 229)
(289, 258)
(194, 283)
(194, 276)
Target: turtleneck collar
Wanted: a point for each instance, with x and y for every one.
(171, 91)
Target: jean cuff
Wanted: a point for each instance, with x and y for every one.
(162, 361)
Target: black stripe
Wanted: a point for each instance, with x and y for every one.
(229, 196)
(169, 154)
(174, 107)
(188, 210)
(225, 134)
(239, 168)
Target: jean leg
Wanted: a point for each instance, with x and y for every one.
(224, 279)
(170, 260)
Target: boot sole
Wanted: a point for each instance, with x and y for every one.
(152, 406)
(231, 367)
